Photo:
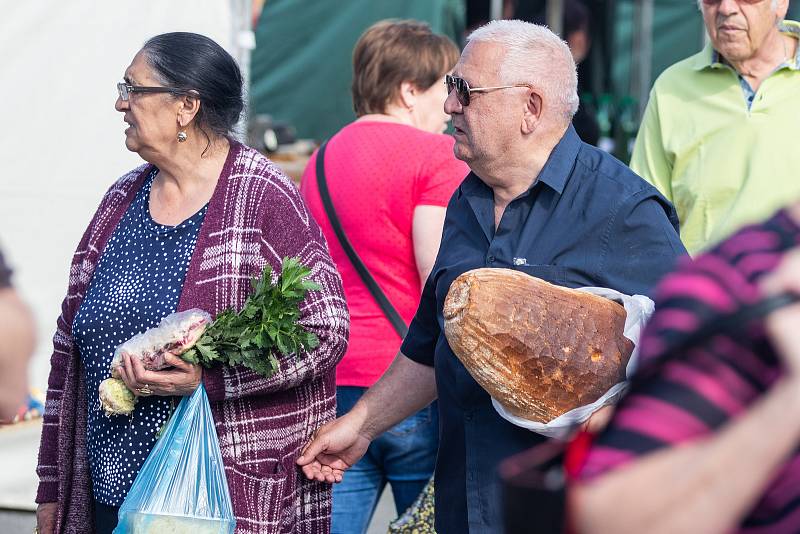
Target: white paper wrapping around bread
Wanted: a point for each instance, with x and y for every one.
(638, 308)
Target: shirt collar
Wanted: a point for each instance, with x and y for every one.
(554, 174)
(710, 58)
(558, 168)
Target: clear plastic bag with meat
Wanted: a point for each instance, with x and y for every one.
(175, 334)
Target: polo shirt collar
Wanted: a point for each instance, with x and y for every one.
(707, 58)
(710, 58)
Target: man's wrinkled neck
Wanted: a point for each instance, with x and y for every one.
(514, 172)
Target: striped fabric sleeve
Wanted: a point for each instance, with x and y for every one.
(47, 467)
(694, 393)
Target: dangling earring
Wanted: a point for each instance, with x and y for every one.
(182, 136)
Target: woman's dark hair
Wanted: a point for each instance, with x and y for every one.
(576, 17)
(193, 62)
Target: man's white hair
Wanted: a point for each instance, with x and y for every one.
(536, 56)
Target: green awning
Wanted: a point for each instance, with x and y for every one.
(301, 67)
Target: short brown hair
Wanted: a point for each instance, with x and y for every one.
(394, 51)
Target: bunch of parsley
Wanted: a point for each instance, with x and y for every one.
(266, 325)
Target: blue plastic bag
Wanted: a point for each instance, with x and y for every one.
(181, 488)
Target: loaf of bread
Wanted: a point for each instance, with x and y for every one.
(539, 349)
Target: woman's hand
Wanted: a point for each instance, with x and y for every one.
(181, 378)
(46, 517)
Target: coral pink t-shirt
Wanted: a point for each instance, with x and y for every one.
(377, 174)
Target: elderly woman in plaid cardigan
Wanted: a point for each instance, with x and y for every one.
(181, 97)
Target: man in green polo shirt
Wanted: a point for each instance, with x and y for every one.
(719, 136)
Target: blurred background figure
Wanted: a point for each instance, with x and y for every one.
(575, 30)
(17, 340)
(390, 174)
(577, 33)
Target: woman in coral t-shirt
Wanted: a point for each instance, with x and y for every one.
(390, 174)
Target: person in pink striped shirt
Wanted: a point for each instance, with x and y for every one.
(708, 440)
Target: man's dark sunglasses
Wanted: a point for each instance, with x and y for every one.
(463, 90)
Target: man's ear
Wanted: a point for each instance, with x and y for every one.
(532, 115)
(782, 8)
(188, 109)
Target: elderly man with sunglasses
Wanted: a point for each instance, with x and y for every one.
(537, 200)
(719, 136)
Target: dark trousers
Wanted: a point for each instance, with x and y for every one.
(105, 518)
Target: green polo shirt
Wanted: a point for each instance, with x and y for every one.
(722, 164)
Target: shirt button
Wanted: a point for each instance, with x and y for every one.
(490, 259)
(468, 416)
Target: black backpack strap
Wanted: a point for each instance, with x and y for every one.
(380, 297)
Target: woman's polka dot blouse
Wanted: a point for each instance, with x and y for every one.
(138, 281)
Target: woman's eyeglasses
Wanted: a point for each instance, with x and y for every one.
(125, 90)
(715, 2)
(463, 90)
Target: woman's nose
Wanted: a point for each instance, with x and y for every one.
(120, 105)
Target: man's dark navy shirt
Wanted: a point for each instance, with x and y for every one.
(587, 220)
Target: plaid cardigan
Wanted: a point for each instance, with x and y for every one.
(255, 217)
